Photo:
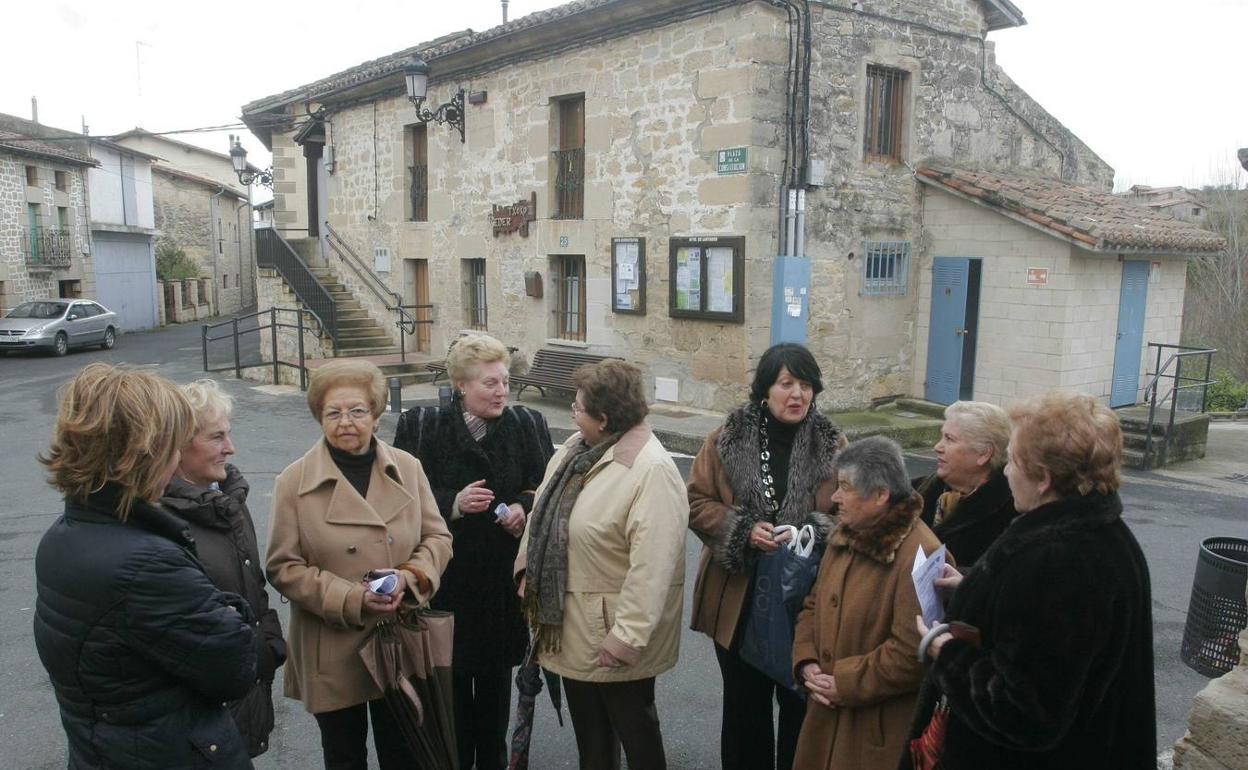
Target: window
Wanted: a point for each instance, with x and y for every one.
(474, 294)
(628, 275)
(706, 278)
(570, 159)
(225, 281)
(885, 268)
(568, 273)
(62, 181)
(32, 176)
(71, 289)
(62, 218)
(885, 97)
(418, 174)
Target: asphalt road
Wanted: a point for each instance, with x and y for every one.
(272, 429)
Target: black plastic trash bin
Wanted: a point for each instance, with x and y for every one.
(1217, 611)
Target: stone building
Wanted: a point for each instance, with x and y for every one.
(45, 243)
(1178, 202)
(628, 173)
(201, 208)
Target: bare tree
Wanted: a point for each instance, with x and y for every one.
(1216, 308)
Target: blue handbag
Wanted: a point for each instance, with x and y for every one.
(782, 579)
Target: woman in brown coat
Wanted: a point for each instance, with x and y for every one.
(349, 506)
(771, 463)
(854, 645)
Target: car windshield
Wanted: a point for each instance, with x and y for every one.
(38, 310)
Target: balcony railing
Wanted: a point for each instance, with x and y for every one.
(569, 184)
(47, 248)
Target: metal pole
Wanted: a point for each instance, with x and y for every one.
(1204, 389)
(800, 248)
(1174, 402)
(303, 370)
(273, 332)
(402, 343)
(396, 395)
(790, 223)
(238, 368)
(204, 344)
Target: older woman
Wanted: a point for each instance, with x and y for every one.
(210, 494)
(854, 644)
(1050, 661)
(967, 501)
(602, 568)
(350, 506)
(141, 648)
(770, 463)
(479, 454)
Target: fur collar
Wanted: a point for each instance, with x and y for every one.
(814, 450)
(1061, 521)
(881, 539)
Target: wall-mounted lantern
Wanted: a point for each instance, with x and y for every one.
(451, 113)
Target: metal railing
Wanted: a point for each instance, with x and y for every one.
(44, 247)
(569, 184)
(420, 193)
(392, 301)
(1161, 372)
(273, 251)
(423, 317)
(235, 334)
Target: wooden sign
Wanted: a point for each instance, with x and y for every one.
(1037, 276)
(515, 217)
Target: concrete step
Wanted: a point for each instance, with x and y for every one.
(356, 323)
(919, 406)
(353, 313)
(349, 351)
(363, 332)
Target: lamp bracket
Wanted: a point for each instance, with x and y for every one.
(450, 113)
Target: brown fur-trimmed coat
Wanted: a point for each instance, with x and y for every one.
(726, 500)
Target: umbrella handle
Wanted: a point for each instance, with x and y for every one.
(406, 687)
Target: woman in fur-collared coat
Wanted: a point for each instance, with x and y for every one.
(770, 464)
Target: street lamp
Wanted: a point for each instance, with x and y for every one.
(247, 177)
(416, 72)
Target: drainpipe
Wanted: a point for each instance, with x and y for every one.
(251, 271)
(216, 304)
(790, 222)
(800, 224)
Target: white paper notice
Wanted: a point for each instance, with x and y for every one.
(926, 570)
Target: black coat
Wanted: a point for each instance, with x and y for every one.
(980, 518)
(141, 648)
(478, 585)
(1063, 678)
(225, 540)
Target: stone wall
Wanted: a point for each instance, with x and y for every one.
(21, 283)
(659, 103)
(212, 232)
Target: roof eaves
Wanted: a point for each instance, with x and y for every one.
(202, 181)
(1002, 14)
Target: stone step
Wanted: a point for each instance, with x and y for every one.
(356, 323)
(363, 332)
(351, 351)
(354, 313)
(919, 406)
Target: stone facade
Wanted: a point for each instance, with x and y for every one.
(660, 102)
(21, 281)
(213, 228)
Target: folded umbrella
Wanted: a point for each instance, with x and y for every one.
(529, 684)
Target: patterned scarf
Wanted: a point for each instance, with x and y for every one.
(546, 576)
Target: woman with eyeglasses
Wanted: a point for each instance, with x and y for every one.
(349, 507)
(484, 459)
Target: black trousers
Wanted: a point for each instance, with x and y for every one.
(344, 738)
(606, 714)
(482, 712)
(748, 740)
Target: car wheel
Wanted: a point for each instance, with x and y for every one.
(61, 346)
(110, 339)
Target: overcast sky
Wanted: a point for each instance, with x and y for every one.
(1156, 87)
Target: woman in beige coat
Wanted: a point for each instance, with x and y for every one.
(602, 569)
(350, 506)
(854, 644)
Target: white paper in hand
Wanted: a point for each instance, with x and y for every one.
(384, 584)
(926, 570)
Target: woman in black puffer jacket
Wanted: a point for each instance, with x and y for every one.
(211, 495)
(140, 647)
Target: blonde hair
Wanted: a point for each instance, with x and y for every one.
(473, 350)
(1072, 436)
(346, 372)
(986, 427)
(207, 401)
(117, 425)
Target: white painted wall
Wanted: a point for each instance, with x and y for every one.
(107, 191)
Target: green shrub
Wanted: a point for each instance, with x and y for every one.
(1227, 394)
(172, 264)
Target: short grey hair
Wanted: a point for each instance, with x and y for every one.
(207, 401)
(985, 426)
(875, 463)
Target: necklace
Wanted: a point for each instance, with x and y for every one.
(764, 458)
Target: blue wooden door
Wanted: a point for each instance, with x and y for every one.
(1130, 342)
(948, 329)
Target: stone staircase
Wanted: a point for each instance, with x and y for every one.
(1187, 442)
(359, 334)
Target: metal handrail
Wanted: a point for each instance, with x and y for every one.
(1154, 386)
(391, 299)
(235, 334)
(273, 251)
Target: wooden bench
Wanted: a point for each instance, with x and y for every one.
(553, 368)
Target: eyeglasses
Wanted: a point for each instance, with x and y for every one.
(358, 414)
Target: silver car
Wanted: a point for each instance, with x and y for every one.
(57, 325)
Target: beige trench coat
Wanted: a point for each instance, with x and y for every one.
(322, 539)
(626, 563)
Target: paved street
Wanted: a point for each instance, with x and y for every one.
(1169, 512)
